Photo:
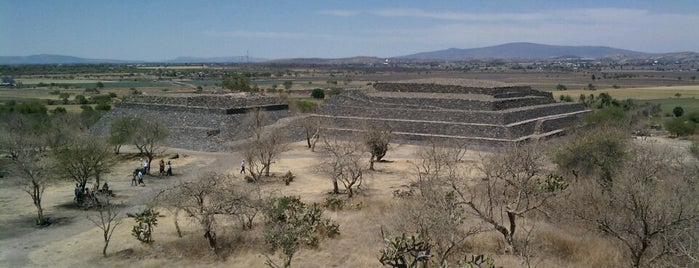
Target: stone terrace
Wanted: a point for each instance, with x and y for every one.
(197, 122)
(483, 114)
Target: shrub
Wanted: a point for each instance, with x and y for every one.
(678, 111)
(334, 91)
(59, 110)
(80, 99)
(306, 106)
(334, 203)
(146, 221)
(681, 126)
(318, 93)
(288, 177)
(103, 107)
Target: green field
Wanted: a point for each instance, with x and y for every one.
(689, 105)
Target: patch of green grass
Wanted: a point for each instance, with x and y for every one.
(689, 105)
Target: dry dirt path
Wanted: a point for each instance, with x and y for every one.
(22, 244)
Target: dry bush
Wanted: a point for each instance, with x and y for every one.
(645, 208)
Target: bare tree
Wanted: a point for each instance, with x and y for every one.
(83, 159)
(344, 164)
(266, 144)
(209, 196)
(32, 170)
(435, 211)
(107, 218)
(649, 207)
(513, 185)
(263, 150)
(312, 128)
(148, 139)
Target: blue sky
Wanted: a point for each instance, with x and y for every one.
(162, 30)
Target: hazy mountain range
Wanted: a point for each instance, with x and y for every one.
(504, 51)
(523, 51)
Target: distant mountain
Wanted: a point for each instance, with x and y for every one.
(53, 59)
(338, 61)
(522, 51)
(234, 59)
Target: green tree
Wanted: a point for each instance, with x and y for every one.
(377, 140)
(678, 111)
(597, 152)
(318, 93)
(561, 87)
(83, 159)
(123, 130)
(681, 126)
(236, 82)
(99, 84)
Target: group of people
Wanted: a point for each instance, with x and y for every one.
(85, 197)
(165, 170)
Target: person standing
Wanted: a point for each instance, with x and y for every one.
(146, 167)
(169, 169)
(242, 167)
(162, 167)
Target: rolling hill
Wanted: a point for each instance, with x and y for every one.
(522, 51)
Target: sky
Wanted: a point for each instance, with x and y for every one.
(153, 30)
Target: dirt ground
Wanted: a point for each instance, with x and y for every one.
(73, 240)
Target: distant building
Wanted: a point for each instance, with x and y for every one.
(8, 81)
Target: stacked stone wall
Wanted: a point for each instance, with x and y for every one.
(424, 127)
(518, 115)
(456, 116)
(210, 101)
(497, 92)
(499, 115)
(192, 127)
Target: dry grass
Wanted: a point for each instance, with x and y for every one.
(639, 93)
(357, 246)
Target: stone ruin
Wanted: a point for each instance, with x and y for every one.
(485, 114)
(202, 122)
(476, 112)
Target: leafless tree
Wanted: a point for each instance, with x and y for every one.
(263, 150)
(343, 164)
(312, 127)
(209, 196)
(107, 218)
(266, 144)
(513, 185)
(435, 211)
(148, 139)
(32, 171)
(649, 208)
